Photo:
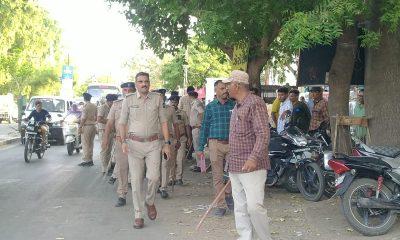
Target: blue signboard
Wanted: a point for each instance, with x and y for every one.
(67, 72)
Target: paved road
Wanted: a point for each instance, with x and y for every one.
(53, 198)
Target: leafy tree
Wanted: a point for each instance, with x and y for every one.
(202, 62)
(29, 48)
(338, 21)
(219, 24)
(146, 61)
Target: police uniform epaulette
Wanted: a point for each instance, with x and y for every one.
(130, 94)
(119, 100)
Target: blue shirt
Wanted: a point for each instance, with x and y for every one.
(39, 116)
(215, 122)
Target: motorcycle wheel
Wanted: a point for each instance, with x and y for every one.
(28, 150)
(290, 180)
(70, 148)
(310, 181)
(330, 188)
(369, 222)
(40, 154)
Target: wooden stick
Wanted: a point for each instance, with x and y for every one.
(212, 205)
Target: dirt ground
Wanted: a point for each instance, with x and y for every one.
(291, 217)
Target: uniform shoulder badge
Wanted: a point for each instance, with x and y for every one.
(130, 95)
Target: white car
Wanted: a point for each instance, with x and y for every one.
(58, 108)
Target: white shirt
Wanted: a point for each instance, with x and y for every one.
(286, 105)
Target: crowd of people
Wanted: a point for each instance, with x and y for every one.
(144, 135)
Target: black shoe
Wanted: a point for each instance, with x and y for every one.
(179, 182)
(171, 183)
(164, 194)
(89, 164)
(112, 180)
(111, 169)
(196, 169)
(121, 202)
(219, 212)
(82, 164)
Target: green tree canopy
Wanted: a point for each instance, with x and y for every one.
(29, 48)
(202, 62)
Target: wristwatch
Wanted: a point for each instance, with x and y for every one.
(167, 142)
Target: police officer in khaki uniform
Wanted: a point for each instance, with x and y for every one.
(87, 128)
(166, 165)
(102, 114)
(141, 116)
(195, 118)
(184, 131)
(121, 168)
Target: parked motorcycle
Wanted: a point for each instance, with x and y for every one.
(369, 188)
(72, 137)
(313, 179)
(283, 170)
(34, 143)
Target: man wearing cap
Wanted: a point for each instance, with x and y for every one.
(174, 134)
(121, 168)
(215, 131)
(141, 115)
(319, 114)
(196, 116)
(248, 158)
(87, 128)
(102, 114)
(176, 170)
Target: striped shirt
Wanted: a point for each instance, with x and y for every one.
(249, 134)
(215, 122)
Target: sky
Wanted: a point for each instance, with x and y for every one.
(98, 39)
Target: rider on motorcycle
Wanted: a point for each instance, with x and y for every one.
(40, 115)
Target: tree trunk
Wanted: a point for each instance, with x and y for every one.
(254, 68)
(340, 76)
(382, 86)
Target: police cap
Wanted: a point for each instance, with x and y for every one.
(128, 85)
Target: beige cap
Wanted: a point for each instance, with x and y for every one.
(237, 76)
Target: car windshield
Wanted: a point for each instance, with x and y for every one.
(102, 91)
(48, 104)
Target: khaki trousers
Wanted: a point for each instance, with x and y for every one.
(88, 134)
(105, 154)
(144, 155)
(196, 139)
(218, 153)
(250, 215)
(177, 168)
(166, 166)
(121, 169)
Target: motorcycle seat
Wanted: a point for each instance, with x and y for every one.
(387, 151)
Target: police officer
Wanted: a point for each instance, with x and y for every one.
(185, 134)
(141, 115)
(102, 114)
(195, 118)
(121, 169)
(87, 128)
(166, 165)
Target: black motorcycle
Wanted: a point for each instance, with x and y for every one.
(34, 143)
(286, 152)
(369, 188)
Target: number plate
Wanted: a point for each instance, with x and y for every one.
(339, 180)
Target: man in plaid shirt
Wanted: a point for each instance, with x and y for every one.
(248, 158)
(215, 129)
(319, 114)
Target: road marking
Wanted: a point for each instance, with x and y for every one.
(11, 180)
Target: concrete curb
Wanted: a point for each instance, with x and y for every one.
(9, 141)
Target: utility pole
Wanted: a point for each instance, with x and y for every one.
(185, 69)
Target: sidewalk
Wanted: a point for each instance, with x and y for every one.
(9, 134)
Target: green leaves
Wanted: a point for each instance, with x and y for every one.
(29, 48)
